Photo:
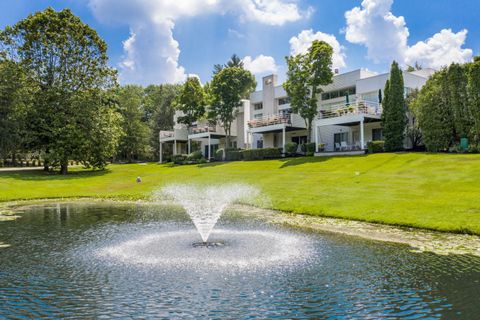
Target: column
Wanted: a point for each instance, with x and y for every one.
(362, 135)
(160, 147)
(283, 139)
(189, 151)
(175, 147)
(161, 155)
(316, 138)
(209, 146)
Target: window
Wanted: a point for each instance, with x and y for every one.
(339, 93)
(282, 101)
(260, 144)
(258, 106)
(340, 137)
(377, 134)
(258, 116)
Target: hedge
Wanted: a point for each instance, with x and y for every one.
(376, 146)
(261, 154)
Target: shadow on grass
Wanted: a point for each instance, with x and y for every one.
(39, 175)
(290, 162)
(212, 164)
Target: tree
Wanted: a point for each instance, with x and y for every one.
(15, 104)
(159, 100)
(234, 61)
(134, 142)
(458, 99)
(67, 61)
(473, 86)
(434, 115)
(227, 89)
(306, 73)
(394, 119)
(191, 102)
(414, 134)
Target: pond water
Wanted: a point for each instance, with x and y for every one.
(129, 261)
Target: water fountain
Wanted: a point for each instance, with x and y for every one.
(205, 204)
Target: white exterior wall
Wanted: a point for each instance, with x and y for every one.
(326, 134)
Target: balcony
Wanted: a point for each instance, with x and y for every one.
(202, 129)
(270, 120)
(173, 135)
(358, 108)
(166, 134)
(276, 123)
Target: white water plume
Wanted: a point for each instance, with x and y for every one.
(205, 204)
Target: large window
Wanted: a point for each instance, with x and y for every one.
(258, 116)
(284, 100)
(339, 93)
(258, 106)
(377, 134)
(340, 137)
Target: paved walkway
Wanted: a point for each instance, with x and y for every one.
(9, 169)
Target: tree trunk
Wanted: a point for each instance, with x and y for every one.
(309, 131)
(14, 159)
(64, 167)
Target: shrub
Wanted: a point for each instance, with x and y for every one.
(308, 148)
(219, 154)
(474, 148)
(291, 148)
(203, 160)
(195, 156)
(179, 158)
(376, 146)
(233, 155)
(260, 154)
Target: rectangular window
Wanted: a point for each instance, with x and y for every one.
(282, 101)
(260, 144)
(258, 116)
(339, 93)
(377, 134)
(258, 106)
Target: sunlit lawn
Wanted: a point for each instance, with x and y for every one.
(422, 190)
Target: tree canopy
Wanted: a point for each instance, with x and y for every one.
(191, 101)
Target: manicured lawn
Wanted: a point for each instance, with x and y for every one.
(438, 191)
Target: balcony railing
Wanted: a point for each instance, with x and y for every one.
(204, 129)
(270, 120)
(354, 108)
(167, 134)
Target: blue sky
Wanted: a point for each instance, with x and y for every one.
(156, 41)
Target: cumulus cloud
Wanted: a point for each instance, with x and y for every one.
(261, 65)
(151, 53)
(303, 41)
(386, 37)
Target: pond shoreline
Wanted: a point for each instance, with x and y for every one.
(420, 240)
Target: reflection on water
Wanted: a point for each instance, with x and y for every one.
(83, 261)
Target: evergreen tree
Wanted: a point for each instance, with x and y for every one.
(394, 119)
(474, 98)
(456, 79)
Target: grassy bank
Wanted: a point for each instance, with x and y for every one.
(440, 192)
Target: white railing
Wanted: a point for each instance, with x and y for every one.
(203, 129)
(354, 108)
(269, 120)
(167, 134)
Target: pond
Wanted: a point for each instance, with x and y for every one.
(139, 261)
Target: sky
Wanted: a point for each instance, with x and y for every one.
(165, 41)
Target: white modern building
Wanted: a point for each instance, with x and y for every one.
(349, 112)
(205, 136)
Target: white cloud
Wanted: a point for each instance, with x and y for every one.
(151, 53)
(303, 41)
(261, 65)
(386, 37)
(440, 50)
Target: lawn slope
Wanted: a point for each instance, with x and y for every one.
(433, 191)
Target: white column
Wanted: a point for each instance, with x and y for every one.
(189, 146)
(175, 147)
(161, 155)
(283, 139)
(316, 138)
(362, 136)
(209, 146)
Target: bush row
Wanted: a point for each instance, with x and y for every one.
(376, 146)
(192, 158)
(261, 154)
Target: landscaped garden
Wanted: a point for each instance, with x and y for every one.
(433, 191)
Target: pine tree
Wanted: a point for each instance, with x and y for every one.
(394, 118)
(456, 78)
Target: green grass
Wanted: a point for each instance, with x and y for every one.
(432, 191)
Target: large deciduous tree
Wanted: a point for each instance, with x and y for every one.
(67, 61)
(227, 89)
(191, 101)
(306, 73)
(394, 118)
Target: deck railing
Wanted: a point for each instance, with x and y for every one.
(167, 134)
(203, 129)
(269, 120)
(354, 108)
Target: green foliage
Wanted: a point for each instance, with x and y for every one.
(291, 148)
(306, 73)
(195, 156)
(191, 101)
(376, 146)
(457, 97)
(394, 118)
(413, 133)
(136, 132)
(233, 155)
(219, 154)
(179, 158)
(261, 154)
(308, 148)
(473, 86)
(67, 61)
(227, 89)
